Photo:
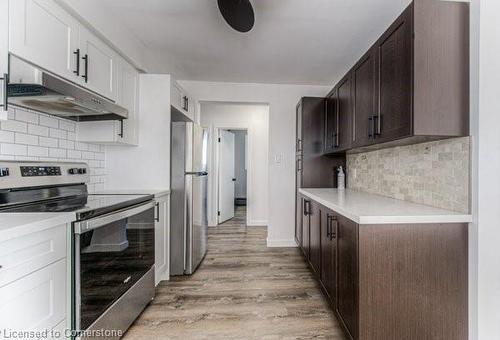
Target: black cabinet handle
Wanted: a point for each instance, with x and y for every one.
(157, 217)
(370, 127)
(185, 104)
(328, 226)
(5, 103)
(376, 125)
(77, 53)
(335, 228)
(307, 207)
(121, 129)
(86, 68)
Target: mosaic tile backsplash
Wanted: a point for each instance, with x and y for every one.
(435, 173)
(28, 135)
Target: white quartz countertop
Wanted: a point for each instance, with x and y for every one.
(14, 225)
(365, 208)
(155, 192)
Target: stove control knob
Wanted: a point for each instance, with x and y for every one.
(82, 171)
(73, 171)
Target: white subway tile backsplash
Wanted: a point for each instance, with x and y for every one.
(13, 125)
(74, 154)
(56, 133)
(81, 146)
(57, 153)
(66, 144)
(38, 130)
(27, 116)
(49, 121)
(48, 142)
(22, 138)
(72, 136)
(67, 125)
(38, 151)
(13, 149)
(88, 155)
(6, 136)
(31, 136)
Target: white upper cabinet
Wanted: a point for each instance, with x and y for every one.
(182, 101)
(128, 97)
(41, 32)
(97, 64)
(115, 132)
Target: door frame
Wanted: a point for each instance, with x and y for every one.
(214, 172)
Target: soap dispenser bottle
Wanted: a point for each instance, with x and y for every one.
(340, 178)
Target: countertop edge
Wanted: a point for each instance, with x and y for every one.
(374, 220)
(43, 223)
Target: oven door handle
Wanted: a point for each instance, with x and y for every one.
(84, 226)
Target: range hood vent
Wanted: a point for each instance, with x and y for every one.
(35, 89)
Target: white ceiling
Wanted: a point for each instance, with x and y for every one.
(293, 41)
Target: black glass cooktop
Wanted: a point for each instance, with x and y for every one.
(84, 205)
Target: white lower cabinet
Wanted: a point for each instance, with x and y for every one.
(162, 239)
(33, 281)
(36, 301)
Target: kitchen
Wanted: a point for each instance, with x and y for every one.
(106, 176)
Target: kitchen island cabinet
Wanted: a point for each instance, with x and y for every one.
(390, 269)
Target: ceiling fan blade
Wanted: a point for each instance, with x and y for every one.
(238, 14)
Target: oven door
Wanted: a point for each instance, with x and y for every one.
(111, 253)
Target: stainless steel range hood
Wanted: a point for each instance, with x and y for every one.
(35, 89)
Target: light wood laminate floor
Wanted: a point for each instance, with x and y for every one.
(242, 290)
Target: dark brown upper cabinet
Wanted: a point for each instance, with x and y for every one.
(338, 117)
(413, 84)
(364, 99)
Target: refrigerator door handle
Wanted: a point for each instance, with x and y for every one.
(197, 173)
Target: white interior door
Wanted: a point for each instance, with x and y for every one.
(226, 176)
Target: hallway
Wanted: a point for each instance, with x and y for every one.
(242, 290)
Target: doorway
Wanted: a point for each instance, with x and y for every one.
(232, 198)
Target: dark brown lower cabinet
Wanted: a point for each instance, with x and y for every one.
(314, 238)
(328, 256)
(306, 208)
(347, 273)
(390, 282)
(298, 219)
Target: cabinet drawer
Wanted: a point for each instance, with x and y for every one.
(35, 302)
(26, 254)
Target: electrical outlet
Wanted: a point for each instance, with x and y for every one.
(278, 158)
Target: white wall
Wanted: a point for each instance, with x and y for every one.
(254, 118)
(146, 166)
(240, 171)
(282, 100)
(485, 117)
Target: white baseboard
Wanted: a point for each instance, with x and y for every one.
(257, 223)
(281, 243)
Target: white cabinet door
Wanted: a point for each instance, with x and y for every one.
(36, 301)
(97, 65)
(128, 97)
(44, 34)
(176, 94)
(4, 55)
(162, 239)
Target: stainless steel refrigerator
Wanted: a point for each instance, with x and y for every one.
(188, 208)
